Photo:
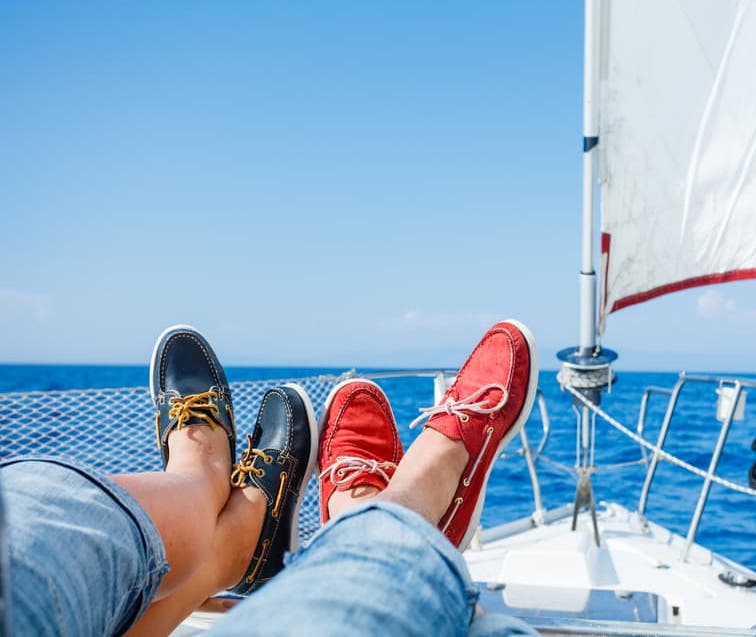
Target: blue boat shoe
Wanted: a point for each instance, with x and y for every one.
(189, 387)
(278, 461)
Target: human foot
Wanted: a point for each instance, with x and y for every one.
(189, 388)
(485, 407)
(278, 461)
(359, 446)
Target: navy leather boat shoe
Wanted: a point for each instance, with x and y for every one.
(279, 461)
(189, 387)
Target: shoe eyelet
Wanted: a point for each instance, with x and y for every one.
(466, 482)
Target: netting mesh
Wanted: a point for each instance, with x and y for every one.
(113, 429)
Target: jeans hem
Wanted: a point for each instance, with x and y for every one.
(154, 550)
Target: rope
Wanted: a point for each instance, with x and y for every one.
(660, 452)
(558, 465)
(600, 376)
(622, 465)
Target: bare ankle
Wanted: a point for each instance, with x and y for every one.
(201, 453)
(342, 501)
(428, 475)
(239, 526)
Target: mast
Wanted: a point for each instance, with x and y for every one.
(587, 341)
(588, 361)
(586, 368)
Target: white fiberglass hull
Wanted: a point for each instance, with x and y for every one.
(552, 576)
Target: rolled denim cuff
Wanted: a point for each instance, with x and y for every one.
(378, 569)
(80, 546)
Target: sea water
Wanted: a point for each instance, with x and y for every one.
(728, 525)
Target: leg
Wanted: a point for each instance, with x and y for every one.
(377, 569)
(185, 500)
(259, 519)
(90, 524)
(85, 558)
(359, 446)
(197, 441)
(235, 539)
(427, 477)
(92, 550)
(444, 475)
(381, 567)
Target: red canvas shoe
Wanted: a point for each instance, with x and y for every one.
(359, 443)
(486, 407)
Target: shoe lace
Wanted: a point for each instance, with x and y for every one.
(463, 407)
(246, 464)
(201, 406)
(347, 468)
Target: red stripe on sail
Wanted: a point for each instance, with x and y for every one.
(696, 281)
(606, 242)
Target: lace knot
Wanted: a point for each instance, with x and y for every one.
(463, 407)
(347, 468)
(246, 464)
(199, 406)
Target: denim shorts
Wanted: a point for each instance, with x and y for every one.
(379, 569)
(84, 556)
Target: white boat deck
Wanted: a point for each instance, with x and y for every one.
(548, 573)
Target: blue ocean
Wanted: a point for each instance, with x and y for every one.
(728, 525)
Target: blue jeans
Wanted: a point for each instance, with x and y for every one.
(86, 559)
(379, 569)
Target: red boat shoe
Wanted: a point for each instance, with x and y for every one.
(359, 443)
(486, 407)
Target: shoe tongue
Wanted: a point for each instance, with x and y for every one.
(188, 372)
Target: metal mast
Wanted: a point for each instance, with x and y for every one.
(587, 368)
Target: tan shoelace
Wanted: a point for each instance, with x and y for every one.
(184, 408)
(246, 464)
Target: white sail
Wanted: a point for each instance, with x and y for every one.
(677, 130)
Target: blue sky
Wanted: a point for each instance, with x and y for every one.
(332, 183)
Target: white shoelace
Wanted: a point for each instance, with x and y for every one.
(460, 407)
(347, 468)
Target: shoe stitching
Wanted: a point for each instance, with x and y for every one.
(250, 579)
(461, 487)
(457, 503)
(199, 344)
(458, 500)
(489, 434)
(183, 408)
(487, 337)
(289, 412)
(283, 476)
(162, 438)
(246, 464)
(380, 399)
(352, 467)
(459, 408)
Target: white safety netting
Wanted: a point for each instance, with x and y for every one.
(114, 429)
